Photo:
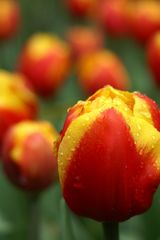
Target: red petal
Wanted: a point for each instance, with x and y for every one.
(107, 179)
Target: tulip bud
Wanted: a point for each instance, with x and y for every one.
(45, 61)
(84, 41)
(109, 155)
(113, 16)
(102, 68)
(80, 8)
(9, 18)
(17, 102)
(27, 155)
(153, 55)
(144, 19)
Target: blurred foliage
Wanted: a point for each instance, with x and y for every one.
(56, 221)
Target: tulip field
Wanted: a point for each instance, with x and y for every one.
(79, 120)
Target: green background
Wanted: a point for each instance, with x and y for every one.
(56, 222)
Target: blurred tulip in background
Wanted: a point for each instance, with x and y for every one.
(10, 18)
(100, 69)
(45, 61)
(17, 101)
(84, 40)
(28, 156)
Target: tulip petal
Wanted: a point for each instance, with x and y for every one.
(98, 164)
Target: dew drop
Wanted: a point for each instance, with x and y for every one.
(77, 179)
(139, 127)
(141, 165)
(87, 118)
(80, 102)
(153, 137)
(157, 166)
(143, 105)
(77, 186)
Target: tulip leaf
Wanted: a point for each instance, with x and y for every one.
(66, 222)
(5, 226)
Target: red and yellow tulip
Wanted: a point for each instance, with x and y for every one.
(144, 19)
(102, 68)
(80, 8)
(27, 155)
(84, 40)
(113, 15)
(153, 55)
(109, 155)
(45, 61)
(17, 102)
(9, 18)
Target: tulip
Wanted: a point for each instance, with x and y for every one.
(108, 155)
(45, 61)
(102, 68)
(144, 19)
(27, 155)
(9, 18)
(113, 15)
(153, 55)
(17, 101)
(80, 8)
(84, 41)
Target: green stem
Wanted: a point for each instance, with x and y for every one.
(111, 230)
(34, 217)
(66, 222)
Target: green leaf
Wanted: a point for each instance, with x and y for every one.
(66, 222)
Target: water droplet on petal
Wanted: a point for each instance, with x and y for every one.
(77, 186)
(61, 153)
(153, 137)
(139, 127)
